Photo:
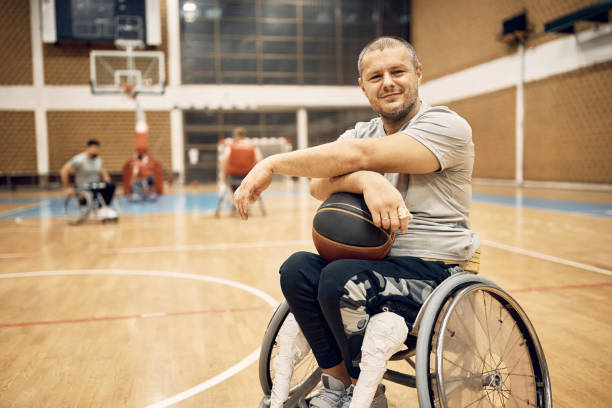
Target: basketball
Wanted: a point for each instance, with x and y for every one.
(342, 228)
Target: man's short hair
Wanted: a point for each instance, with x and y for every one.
(381, 43)
(239, 132)
(93, 142)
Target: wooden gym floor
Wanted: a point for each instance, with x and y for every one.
(169, 306)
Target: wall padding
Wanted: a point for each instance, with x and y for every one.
(70, 130)
(18, 142)
(450, 36)
(568, 126)
(68, 63)
(492, 117)
(15, 43)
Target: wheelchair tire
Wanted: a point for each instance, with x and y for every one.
(77, 207)
(306, 373)
(488, 353)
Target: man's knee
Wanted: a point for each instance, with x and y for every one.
(292, 272)
(334, 278)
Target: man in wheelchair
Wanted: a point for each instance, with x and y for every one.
(90, 175)
(413, 164)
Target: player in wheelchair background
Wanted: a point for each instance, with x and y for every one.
(143, 182)
(93, 191)
(413, 165)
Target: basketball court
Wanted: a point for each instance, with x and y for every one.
(169, 305)
(175, 310)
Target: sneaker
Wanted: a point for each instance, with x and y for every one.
(107, 213)
(332, 394)
(379, 401)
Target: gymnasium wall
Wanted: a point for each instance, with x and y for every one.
(451, 36)
(492, 119)
(17, 136)
(17, 143)
(568, 126)
(568, 117)
(15, 43)
(69, 131)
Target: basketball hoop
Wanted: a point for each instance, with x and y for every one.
(129, 89)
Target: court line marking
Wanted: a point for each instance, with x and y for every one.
(545, 257)
(551, 288)
(136, 316)
(260, 244)
(236, 368)
(24, 207)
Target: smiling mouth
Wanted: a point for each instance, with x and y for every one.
(390, 95)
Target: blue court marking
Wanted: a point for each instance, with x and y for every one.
(19, 200)
(577, 207)
(182, 203)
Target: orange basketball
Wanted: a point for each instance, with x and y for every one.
(343, 229)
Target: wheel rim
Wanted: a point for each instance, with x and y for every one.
(74, 211)
(487, 353)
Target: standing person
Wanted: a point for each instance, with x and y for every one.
(88, 170)
(413, 164)
(238, 159)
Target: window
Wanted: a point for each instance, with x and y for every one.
(283, 41)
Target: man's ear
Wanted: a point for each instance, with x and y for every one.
(419, 73)
(360, 82)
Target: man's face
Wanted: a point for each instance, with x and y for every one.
(92, 151)
(390, 82)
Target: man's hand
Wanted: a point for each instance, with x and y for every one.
(69, 191)
(385, 203)
(258, 179)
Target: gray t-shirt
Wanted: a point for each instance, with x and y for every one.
(86, 170)
(439, 202)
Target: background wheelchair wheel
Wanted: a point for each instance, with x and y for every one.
(77, 207)
(481, 351)
(306, 374)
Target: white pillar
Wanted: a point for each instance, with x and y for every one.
(520, 114)
(174, 82)
(302, 128)
(178, 146)
(174, 43)
(40, 117)
(302, 135)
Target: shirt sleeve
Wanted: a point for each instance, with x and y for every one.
(446, 134)
(349, 134)
(75, 162)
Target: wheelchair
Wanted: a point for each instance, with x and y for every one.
(87, 202)
(471, 345)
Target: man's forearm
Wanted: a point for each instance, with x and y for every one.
(322, 188)
(324, 161)
(65, 178)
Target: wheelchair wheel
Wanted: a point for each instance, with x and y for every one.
(78, 207)
(306, 374)
(476, 347)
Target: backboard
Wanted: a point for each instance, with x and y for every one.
(143, 69)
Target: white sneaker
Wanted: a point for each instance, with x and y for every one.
(107, 213)
(332, 394)
(379, 401)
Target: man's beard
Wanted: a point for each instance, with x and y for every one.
(400, 113)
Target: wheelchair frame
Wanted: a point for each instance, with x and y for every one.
(431, 325)
(83, 211)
